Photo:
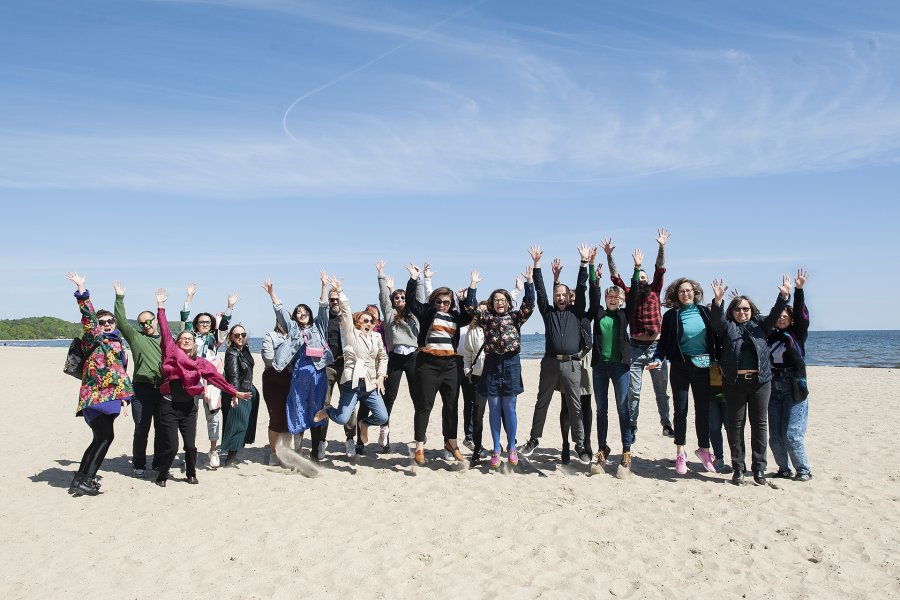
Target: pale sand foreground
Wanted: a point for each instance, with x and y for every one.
(379, 529)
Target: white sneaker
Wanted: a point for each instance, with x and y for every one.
(298, 443)
(321, 453)
(350, 448)
(214, 459)
(383, 435)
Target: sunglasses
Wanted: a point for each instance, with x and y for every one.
(442, 303)
(106, 321)
(742, 309)
(400, 297)
(334, 299)
(365, 320)
(239, 335)
(146, 323)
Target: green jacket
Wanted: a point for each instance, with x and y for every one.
(145, 349)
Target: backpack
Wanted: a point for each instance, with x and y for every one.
(75, 358)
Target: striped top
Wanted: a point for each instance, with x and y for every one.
(440, 336)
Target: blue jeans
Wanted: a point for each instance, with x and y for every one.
(787, 425)
(717, 416)
(618, 373)
(503, 408)
(350, 396)
(641, 354)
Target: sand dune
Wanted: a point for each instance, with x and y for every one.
(376, 527)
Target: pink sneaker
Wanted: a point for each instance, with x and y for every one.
(513, 457)
(681, 463)
(706, 458)
(495, 460)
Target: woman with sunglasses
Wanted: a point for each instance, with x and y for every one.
(184, 372)
(501, 375)
(365, 368)
(239, 373)
(747, 373)
(307, 349)
(208, 340)
(788, 405)
(686, 339)
(436, 369)
(105, 387)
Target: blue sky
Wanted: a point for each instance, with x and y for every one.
(152, 141)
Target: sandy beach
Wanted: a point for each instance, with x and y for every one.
(376, 527)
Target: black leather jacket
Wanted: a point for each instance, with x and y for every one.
(731, 338)
(239, 368)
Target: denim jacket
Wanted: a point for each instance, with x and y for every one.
(294, 344)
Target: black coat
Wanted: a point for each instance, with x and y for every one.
(239, 368)
(596, 312)
(731, 337)
(425, 312)
(669, 347)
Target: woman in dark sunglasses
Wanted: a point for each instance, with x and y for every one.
(436, 369)
(105, 387)
(239, 373)
(746, 372)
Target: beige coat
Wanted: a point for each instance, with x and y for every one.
(364, 353)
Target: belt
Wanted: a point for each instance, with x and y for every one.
(747, 376)
(566, 357)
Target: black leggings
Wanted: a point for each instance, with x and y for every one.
(586, 413)
(102, 428)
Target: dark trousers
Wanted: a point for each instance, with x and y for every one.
(469, 389)
(175, 417)
(684, 376)
(436, 374)
(587, 414)
(144, 408)
(555, 373)
(398, 364)
(740, 398)
(102, 428)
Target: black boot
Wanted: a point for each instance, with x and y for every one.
(737, 477)
(231, 459)
(565, 454)
(81, 486)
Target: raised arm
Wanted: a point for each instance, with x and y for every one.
(661, 239)
(581, 288)
(384, 293)
(717, 312)
(83, 297)
(541, 291)
(322, 317)
(281, 314)
(416, 305)
(165, 334)
(346, 315)
(613, 271)
(127, 330)
(527, 307)
(801, 314)
(784, 294)
(185, 315)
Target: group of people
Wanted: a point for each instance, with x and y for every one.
(733, 360)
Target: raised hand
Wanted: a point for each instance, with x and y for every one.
(232, 299)
(556, 266)
(719, 289)
(191, 290)
(379, 266)
(536, 254)
(663, 236)
(599, 271)
(785, 287)
(519, 284)
(427, 271)
(638, 256)
(77, 279)
(593, 256)
(529, 274)
(607, 246)
(268, 286)
(117, 287)
(734, 294)
(584, 251)
(476, 277)
(801, 278)
(323, 277)
(413, 271)
(335, 283)
(161, 297)
(389, 281)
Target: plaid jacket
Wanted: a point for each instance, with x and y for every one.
(647, 316)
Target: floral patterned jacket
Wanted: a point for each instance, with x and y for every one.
(105, 377)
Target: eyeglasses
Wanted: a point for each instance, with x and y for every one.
(365, 320)
(204, 322)
(742, 309)
(686, 291)
(146, 323)
(442, 303)
(106, 321)
(239, 335)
